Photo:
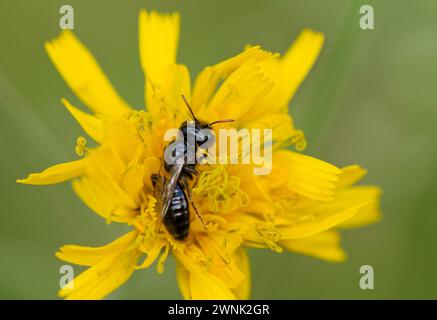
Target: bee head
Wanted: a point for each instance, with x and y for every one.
(195, 126)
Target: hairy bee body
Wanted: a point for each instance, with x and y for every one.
(188, 130)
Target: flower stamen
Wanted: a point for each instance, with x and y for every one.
(299, 141)
(220, 189)
(81, 148)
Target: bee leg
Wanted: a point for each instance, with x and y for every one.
(195, 182)
(192, 171)
(188, 189)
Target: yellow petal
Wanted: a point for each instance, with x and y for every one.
(158, 42)
(209, 78)
(122, 137)
(242, 261)
(280, 123)
(221, 253)
(267, 104)
(206, 287)
(306, 175)
(166, 98)
(201, 284)
(56, 174)
(319, 218)
(370, 213)
(133, 177)
(92, 125)
(183, 277)
(324, 245)
(89, 256)
(240, 91)
(106, 198)
(297, 62)
(178, 82)
(350, 175)
(104, 185)
(152, 250)
(84, 76)
(103, 278)
(101, 190)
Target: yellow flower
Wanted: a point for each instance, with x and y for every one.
(299, 206)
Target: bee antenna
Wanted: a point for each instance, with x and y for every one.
(188, 106)
(220, 121)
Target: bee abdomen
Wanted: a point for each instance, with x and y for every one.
(177, 220)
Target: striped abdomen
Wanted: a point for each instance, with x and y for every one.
(177, 219)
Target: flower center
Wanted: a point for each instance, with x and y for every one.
(220, 189)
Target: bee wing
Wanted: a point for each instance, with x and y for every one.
(170, 185)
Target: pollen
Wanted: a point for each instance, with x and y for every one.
(220, 189)
(269, 235)
(145, 223)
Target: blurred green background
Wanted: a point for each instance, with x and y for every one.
(371, 99)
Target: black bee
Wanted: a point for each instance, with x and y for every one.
(174, 193)
(176, 218)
